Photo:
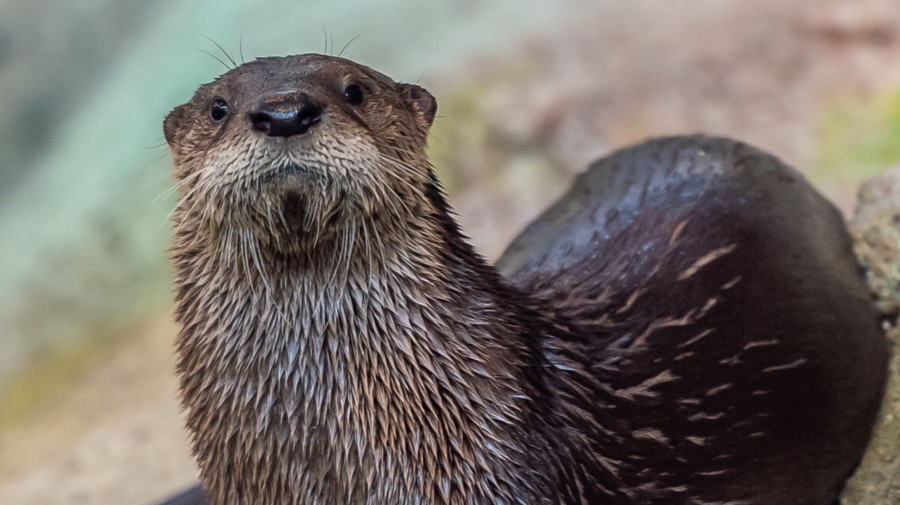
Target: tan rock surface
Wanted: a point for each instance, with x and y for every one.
(113, 436)
(876, 229)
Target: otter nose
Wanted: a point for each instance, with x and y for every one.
(285, 115)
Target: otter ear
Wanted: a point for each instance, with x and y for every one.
(420, 100)
(173, 122)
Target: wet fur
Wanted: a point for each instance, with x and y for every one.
(686, 326)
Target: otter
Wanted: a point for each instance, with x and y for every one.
(687, 325)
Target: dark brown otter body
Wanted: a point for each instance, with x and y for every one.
(687, 325)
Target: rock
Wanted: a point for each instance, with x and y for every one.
(876, 231)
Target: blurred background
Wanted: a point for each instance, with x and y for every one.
(529, 92)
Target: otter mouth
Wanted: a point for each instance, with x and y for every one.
(295, 170)
(291, 171)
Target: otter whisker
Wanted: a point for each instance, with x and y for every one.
(184, 214)
(389, 168)
(177, 186)
(174, 188)
(228, 243)
(391, 201)
(254, 252)
(404, 168)
(270, 221)
(381, 252)
(309, 224)
(180, 203)
(211, 55)
(283, 220)
(351, 249)
(193, 178)
(367, 241)
(345, 254)
(347, 45)
(412, 154)
(244, 255)
(227, 55)
(325, 32)
(410, 163)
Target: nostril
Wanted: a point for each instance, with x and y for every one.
(261, 121)
(311, 113)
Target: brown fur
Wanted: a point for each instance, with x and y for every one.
(341, 343)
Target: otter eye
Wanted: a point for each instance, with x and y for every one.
(354, 94)
(219, 109)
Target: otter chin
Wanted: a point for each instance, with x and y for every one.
(686, 325)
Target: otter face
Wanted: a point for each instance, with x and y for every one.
(280, 147)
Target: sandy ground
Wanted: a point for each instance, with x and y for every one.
(113, 437)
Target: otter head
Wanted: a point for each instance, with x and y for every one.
(290, 150)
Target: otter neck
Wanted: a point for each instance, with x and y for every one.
(332, 377)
